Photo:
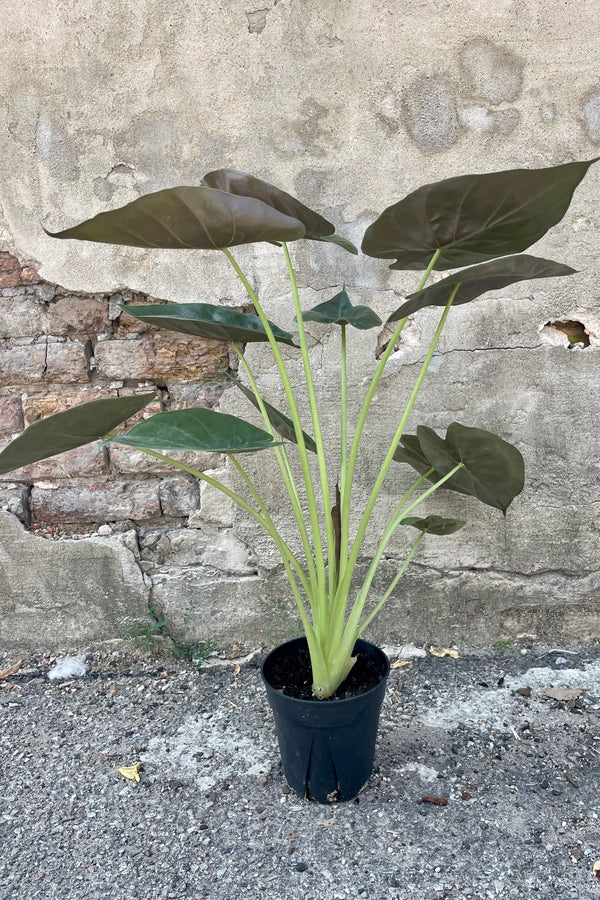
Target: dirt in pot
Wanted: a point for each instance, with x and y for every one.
(292, 675)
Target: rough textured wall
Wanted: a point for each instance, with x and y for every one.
(349, 106)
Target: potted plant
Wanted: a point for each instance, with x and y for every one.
(477, 224)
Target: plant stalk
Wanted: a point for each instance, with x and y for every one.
(364, 522)
(285, 468)
(319, 558)
(314, 411)
(345, 512)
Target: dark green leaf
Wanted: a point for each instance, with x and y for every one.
(340, 311)
(434, 524)
(342, 242)
(473, 218)
(281, 423)
(491, 276)
(206, 320)
(240, 184)
(493, 469)
(196, 429)
(67, 430)
(185, 218)
(409, 451)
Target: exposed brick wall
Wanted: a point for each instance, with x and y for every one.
(59, 349)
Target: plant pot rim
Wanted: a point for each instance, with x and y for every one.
(324, 703)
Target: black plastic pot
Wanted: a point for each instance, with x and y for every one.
(327, 746)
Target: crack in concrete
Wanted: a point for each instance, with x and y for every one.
(45, 369)
(475, 570)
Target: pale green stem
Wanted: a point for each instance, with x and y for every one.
(364, 522)
(285, 468)
(378, 606)
(345, 513)
(251, 487)
(314, 411)
(400, 513)
(344, 426)
(350, 632)
(284, 549)
(310, 494)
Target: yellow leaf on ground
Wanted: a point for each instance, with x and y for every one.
(596, 869)
(400, 663)
(444, 652)
(130, 772)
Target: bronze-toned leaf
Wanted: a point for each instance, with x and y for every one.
(490, 276)
(434, 524)
(493, 470)
(473, 218)
(240, 184)
(184, 218)
(409, 451)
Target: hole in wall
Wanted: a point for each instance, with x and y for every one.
(410, 337)
(570, 333)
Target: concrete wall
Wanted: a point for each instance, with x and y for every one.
(349, 105)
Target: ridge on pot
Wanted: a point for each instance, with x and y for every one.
(327, 747)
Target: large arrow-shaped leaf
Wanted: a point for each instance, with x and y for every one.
(240, 184)
(184, 218)
(473, 218)
(340, 311)
(434, 524)
(317, 228)
(196, 429)
(207, 320)
(493, 470)
(280, 422)
(67, 430)
(474, 282)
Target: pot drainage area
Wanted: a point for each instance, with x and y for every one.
(485, 786)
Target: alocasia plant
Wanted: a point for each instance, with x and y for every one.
(474, 221)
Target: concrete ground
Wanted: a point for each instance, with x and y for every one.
(487, 784)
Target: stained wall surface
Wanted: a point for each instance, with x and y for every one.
(349, 106)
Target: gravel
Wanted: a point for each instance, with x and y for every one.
(211, 816)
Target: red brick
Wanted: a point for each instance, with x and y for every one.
(108, 502)
(11, 415)
(78, 315)
(160, 358)
(12, 273)
(38, 406)
(127, 324)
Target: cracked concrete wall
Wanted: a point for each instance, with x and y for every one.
(349, 106)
